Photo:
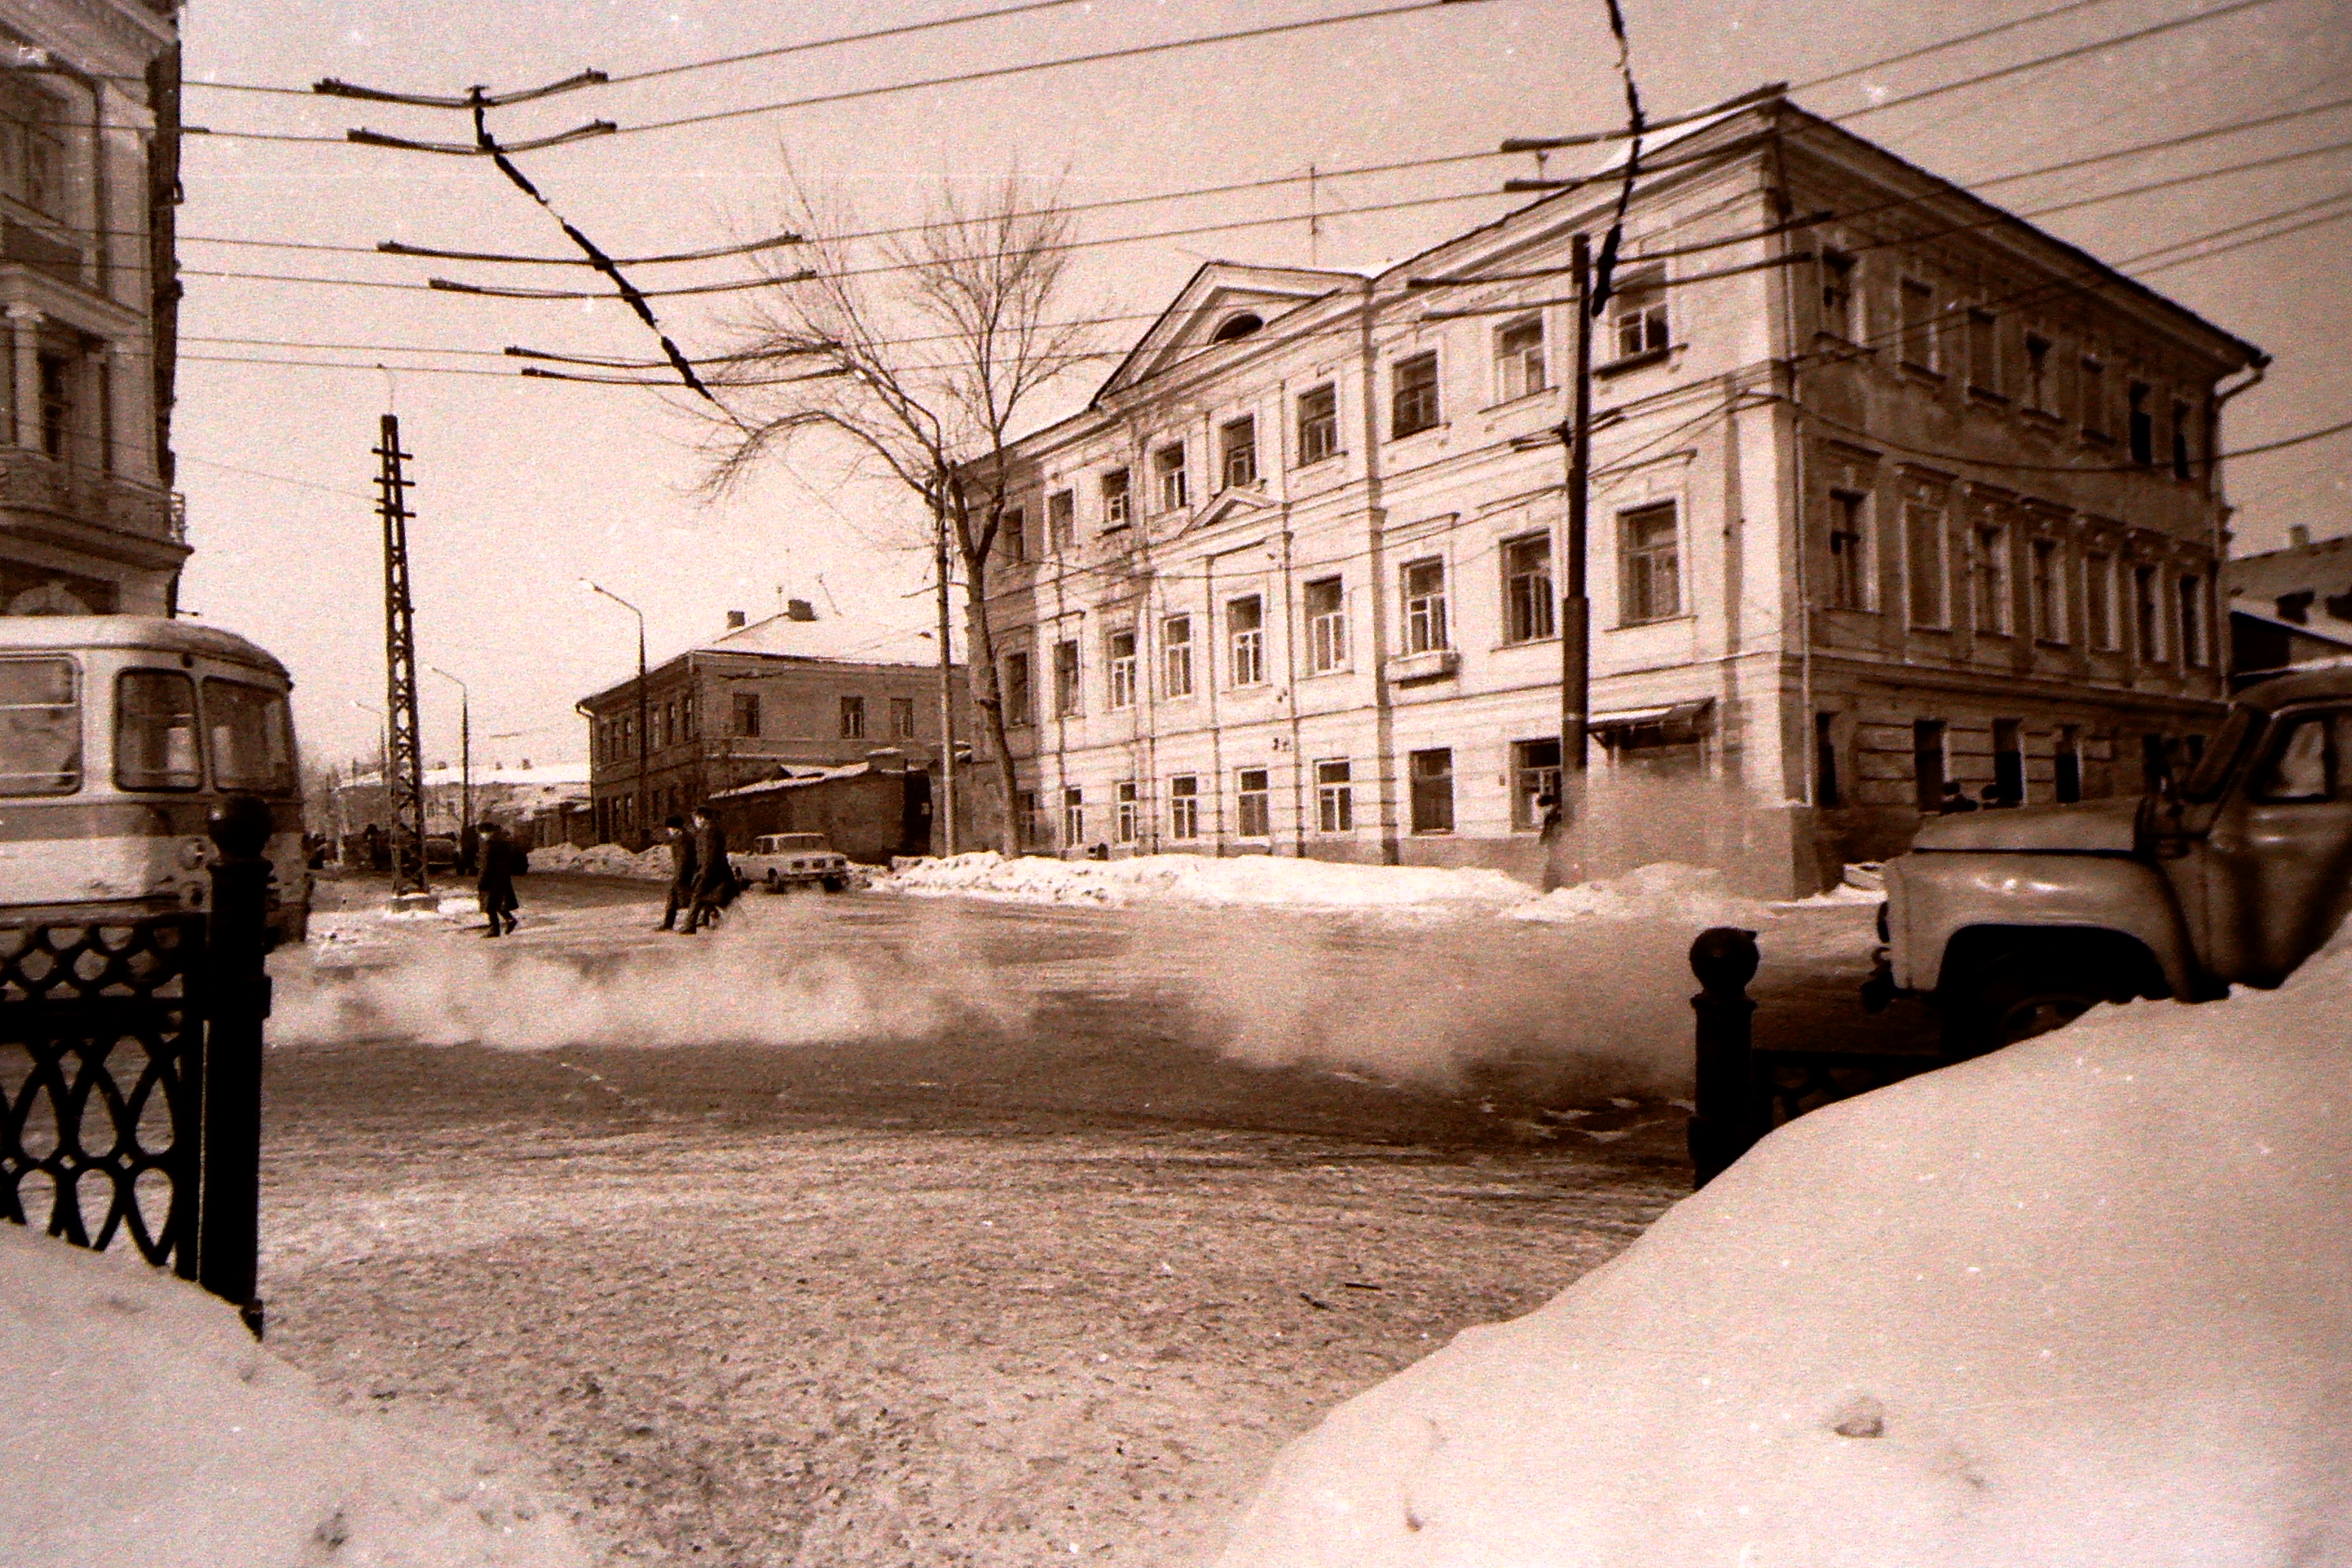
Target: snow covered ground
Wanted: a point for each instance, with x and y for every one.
(2084, 1302)
(146, 1427)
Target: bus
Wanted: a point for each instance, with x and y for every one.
(118, 735)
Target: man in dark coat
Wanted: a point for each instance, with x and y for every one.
(682, 867)
(714, 874)
(496, 882)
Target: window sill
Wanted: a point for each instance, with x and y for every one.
(1327, 674)
(1923, 626)
(1110, 527)
(1987, 396)
(2042, 419)
(1524, 397)
(1550, 640)
(1632, 362)
(1927, 373)
(1317, 462)
(1656, 621)
(1432, 664)
(1424, 430)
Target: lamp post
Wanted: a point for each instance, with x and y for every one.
(465, 756)
(383, 753)
(643, 734)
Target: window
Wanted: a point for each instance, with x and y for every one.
(1014, 531)
(1250, 797)
(1927, 762)
(1990, 570)
(853, 718)
(1850, 578)
(1066, 689)
(1116, 501)
(1425, 606)
(32, 148)
(1127, 816)
(2094, 387)
(2139, 425)
(2008, 762)
(2049, 603)
(1534, 780)
(1335, 797)
(2192, 620)
(1327, 625)
(1237, 445)
(1519, 359)
(746, 714)
(1236, 327)
(2067, 765)
(1246, 628)
(1638, 312)
(1918, 324)
(2099, 600)
(1526, 588)
(1825, 768)
(1168, 465)
(1647, 546)
(686, 713)
(1176, 656)
(1020, 699)
(1923, 548)
(2037, 374)
(1412, 405)
(1121, 669)
(250, 738)
(1837, 294)
(2308, 763)
(1074, 816)
(1031, 817)
(40, 727)
(2145, 619)
(1061, 521)
(1319, 424)
(156, 730)
(61, 406)
(1185, 808)
(2181, 454)
(1984, 357)
(1432, 776)
(902, 718)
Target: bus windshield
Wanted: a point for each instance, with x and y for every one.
(156, 730)
(40, 727)
(252, 743)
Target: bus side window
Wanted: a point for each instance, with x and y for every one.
(252, 743)
(40, 727)
(156, 730)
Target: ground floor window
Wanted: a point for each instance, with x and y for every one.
(1185, 808)
(1250, 797)
(2008, 762)
(1335, 797)
(1432, 774)
(1074, 816)
(1825, 769)
(1031, 817)
(1534, 780)
(1128, 823)
(1928, 763)
(2068, 765)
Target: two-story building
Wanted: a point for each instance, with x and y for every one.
(1889, 490)
(791, 691)
(89, 175)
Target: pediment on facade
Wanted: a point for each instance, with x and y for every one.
(1222, 298)
(1240, 502)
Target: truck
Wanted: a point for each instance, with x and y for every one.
(2013, 923)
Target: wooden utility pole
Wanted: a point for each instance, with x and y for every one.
(943, 810)
(1575, 605)
(403, 757)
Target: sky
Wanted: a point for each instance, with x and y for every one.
(525, 487)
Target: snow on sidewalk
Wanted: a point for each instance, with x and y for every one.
(2083, 1301)
(146, 1427)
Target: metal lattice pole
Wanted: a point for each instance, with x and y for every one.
(404, 769)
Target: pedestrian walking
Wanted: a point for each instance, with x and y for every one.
(714, 874)
(682, 865)
(496, 882)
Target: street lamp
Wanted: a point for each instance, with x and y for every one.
(465, 756)
(643, 817)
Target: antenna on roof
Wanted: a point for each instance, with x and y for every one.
(828, 594)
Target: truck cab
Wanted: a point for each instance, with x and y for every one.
(2015, 922)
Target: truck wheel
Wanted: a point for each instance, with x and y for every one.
(837, 884)
(2016, 998)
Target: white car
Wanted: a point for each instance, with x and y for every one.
(781, 861)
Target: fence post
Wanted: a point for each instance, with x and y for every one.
(237, 1000)
(1723, 1127)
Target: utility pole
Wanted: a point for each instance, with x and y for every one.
(1575, 606)
(403, 759)
(644, 739)
(944, 810)
(464, 757)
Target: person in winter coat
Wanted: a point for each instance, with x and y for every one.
(714, 874)
(496, 882)
(682, 867)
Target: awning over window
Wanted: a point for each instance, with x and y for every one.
(1664, 725)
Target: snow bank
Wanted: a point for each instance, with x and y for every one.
(2084, 1302)
(651, 864)
(146, 1427)
(1262, 881)
(1668, 889)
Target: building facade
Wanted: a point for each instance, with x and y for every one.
(88, 176)
(1889, 490)
(790, 691)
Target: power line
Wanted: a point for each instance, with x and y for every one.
(1939, 47)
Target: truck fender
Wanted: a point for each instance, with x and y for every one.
(2076, 892)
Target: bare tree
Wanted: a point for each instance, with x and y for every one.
(923, 348)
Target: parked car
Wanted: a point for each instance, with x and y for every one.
(780, 862)
(2015, 922)
(440, 852)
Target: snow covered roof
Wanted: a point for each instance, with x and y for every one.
(794, 778)
(836, 638)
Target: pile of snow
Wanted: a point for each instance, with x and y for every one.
(448, 906)
(2083, 1301)
(1257, 880)
(1665, 889)
(651, 864)
(145, 1426)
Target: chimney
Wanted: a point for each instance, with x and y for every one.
(799, 610)
(2298, 536)
(735, 620)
